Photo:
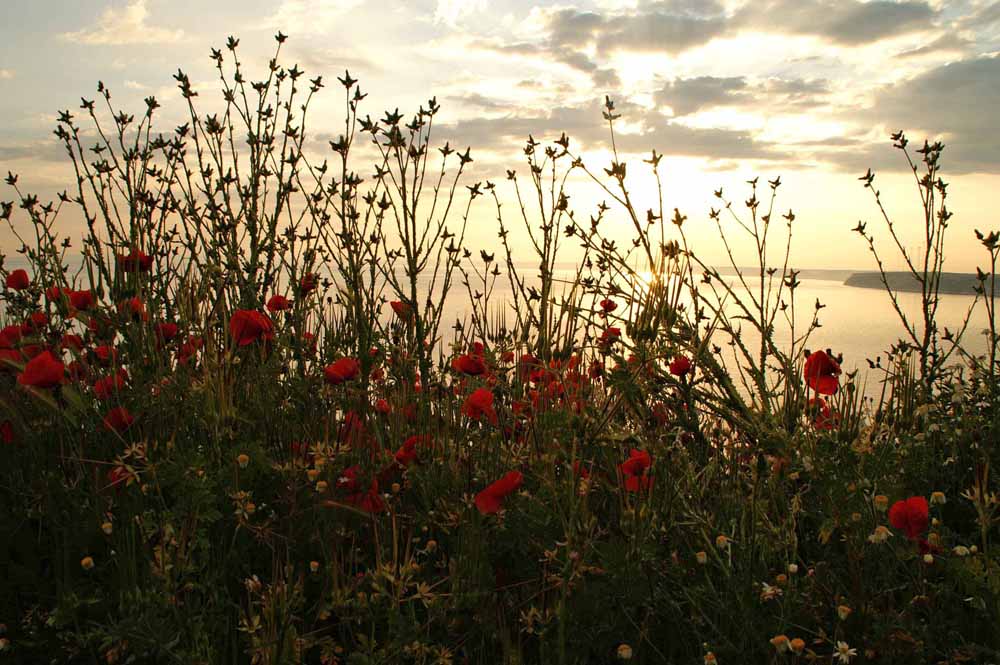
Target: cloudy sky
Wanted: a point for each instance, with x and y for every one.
(727, 89)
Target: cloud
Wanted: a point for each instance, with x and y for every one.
(6, 74)
(953, 102)
(450, 12)
(686, 96)
(584, 125)
(126, 25)
(844, 22)
(949, 42)
(310, 17)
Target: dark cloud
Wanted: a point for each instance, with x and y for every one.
(690, 95)
(846, 22)
(585, 125)
(948, 42)
(955, 101)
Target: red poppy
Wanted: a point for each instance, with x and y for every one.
(118, 477)
(580, 470)
(18, 280)
(609, 337)
(634, 470)
(369, 500)
(106, 387)
(910, 516)
(247, 326)
(469, 364)
(77, 370)
(42, 371)
(408, 453)
(401, 309)
(106, 354)
(607, 306)
(344, 369)
(680, 366)
(9, 336)
(36, 321)
(165, 332)
(479, 404)
(82, 300)
(823, 417)
(490, 500)
(118, 419)
(55, 293)
(135, 307)
(308, 283)
(309, 343)
(382, 406)
(822, 372)
(189, 349)
(7, 432)
(135, 261)
(278, 304)
(71, 341)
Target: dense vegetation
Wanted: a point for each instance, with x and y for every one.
(237, 430)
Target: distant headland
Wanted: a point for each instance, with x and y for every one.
(952, 283)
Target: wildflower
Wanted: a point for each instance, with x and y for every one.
(247, 326)
(928, 558)
(710, 659)
(408, 453)
(845, 652)
(308, 283)
(18, 280)
(472, 365)
(107, 528)
(87, 562)
(479, 404)
(165, 331)
(701, 557)
(634, 470)
(780, 643)
(781, 579)
(243, 460)
(382, 406)
(118, 419)
(624, 652)
(960, 550)
(135, 261)
(278, 303)
(105, 388)
(910, 516)
(7, 432)
(881, 502)
(42, 371)
(822, 372)
(490, 500)
(793, 568)
(680, 366)
(81, 300)
(608, 338)
(879, 535)
(402, 309)
(721, 541)
(768, 592)
(843, 611)
(314, 566)
(341, 370)
(823, 417)
(797, 645)
(938, 499)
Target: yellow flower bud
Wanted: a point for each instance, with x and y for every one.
(882, 502)
(243, 459)
(797, 645)
(843, 611)
(938, 499)
(314, 566)
(624, 652)
(701, 557)
(106, 528)
(780, 642)
(87, 562)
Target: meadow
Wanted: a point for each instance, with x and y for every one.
(237, 427)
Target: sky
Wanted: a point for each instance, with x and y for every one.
(808, 90)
